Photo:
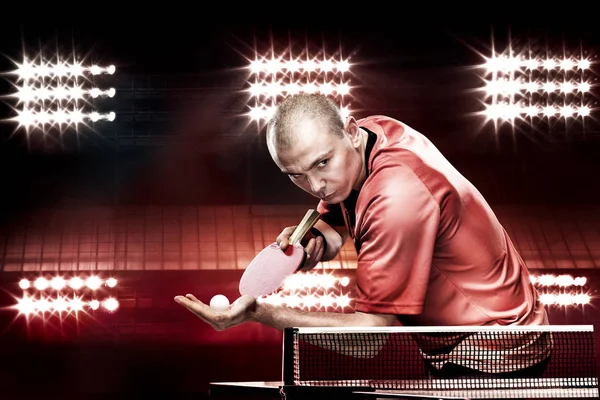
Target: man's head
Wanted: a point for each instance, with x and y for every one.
(310, 142)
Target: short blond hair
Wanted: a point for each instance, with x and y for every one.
(295, 108)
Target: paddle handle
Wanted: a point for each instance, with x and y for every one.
(309, 220)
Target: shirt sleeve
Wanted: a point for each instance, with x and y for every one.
(398, 234)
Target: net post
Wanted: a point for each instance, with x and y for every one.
(287, 363)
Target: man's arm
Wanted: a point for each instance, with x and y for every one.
(247, 309)
(281, 317)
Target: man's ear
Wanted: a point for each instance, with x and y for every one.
(353, 130)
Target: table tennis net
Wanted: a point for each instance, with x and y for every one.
(448, 358)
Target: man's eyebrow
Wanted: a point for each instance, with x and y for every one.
(312, 165)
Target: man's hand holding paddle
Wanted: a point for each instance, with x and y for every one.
(313, 246)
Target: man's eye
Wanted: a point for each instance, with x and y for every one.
(323, 163)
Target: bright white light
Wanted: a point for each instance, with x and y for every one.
(275, 78)
(558, 280)
(26, 306)
(49, 95)
(564, 299)
(93, 282)
(110, 304)
(41, 283)
(76, 283)
(94, 304)
(57, 283)
(30, 306)
(315, 290)
(559, 84)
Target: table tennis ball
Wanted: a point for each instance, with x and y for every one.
(219, 303)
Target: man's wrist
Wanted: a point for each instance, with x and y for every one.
(258, 313)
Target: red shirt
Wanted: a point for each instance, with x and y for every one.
(430, 248)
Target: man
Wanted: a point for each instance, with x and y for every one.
(430, 250)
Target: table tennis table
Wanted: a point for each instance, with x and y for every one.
(383, 362)
(277, 390)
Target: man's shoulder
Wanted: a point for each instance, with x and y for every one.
(395, 173)
(380, 120)
(402, 171)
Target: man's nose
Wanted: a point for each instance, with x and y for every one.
(317, 185)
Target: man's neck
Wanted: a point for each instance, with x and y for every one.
(363, 170)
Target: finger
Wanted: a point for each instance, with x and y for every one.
(283, 239)
(314, 250)
(315, 256)
(192, 297)
(320, 250)
(197, 307)
(187, 302)
(310, 247)
(283, 243)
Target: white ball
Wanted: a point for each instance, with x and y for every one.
(219, 303)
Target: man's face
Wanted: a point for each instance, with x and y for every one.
(320, 162)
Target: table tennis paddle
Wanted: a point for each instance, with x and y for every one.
(269, 269)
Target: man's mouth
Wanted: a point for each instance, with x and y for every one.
(328, 197)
